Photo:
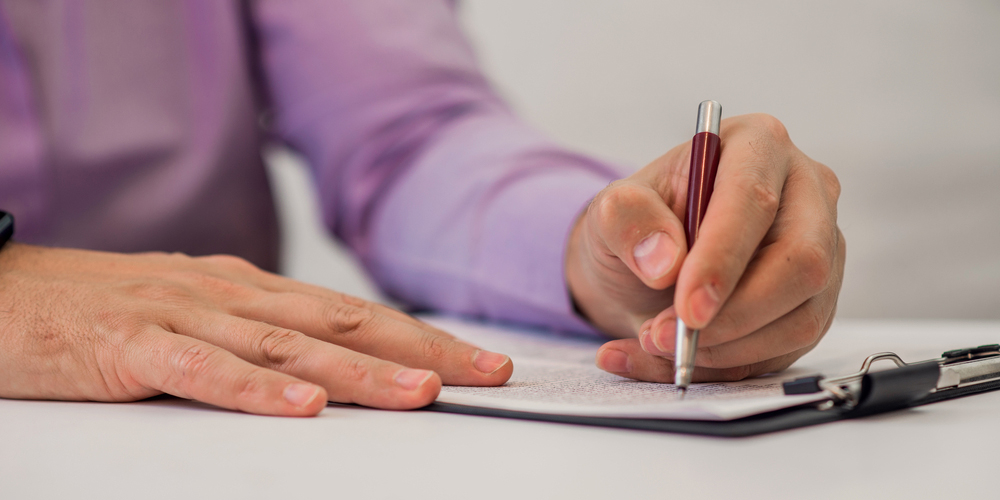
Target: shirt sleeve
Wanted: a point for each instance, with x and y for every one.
(450, 201)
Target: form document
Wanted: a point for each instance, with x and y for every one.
(555, 374)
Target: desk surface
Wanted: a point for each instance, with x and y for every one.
(171, 448)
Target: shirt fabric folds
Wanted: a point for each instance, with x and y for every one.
(134, 126)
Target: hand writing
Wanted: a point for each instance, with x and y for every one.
(761, 282)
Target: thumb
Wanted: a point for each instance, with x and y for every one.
(632, 222)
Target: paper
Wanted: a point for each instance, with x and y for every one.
(556, 374)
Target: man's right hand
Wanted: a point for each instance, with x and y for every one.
(82, 325)
(761, 283)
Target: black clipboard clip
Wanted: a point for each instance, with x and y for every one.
(955, 373)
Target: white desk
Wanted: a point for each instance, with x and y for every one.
(178, 449)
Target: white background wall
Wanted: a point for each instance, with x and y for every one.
(901, 99)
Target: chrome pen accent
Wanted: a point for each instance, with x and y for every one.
(709, 116)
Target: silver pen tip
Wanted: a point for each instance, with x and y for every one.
(684, 392)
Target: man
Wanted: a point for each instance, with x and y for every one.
(131, 127)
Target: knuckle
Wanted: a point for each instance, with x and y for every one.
(229, 262)
(841, 247)
(604, 208)
(157, 291)
(815, 264)
(202, 281)
(169, 260)
(762, 194)
(814, 324)
(348, 319)
(772, 126)
(616, 199)
(434, 347)
(192, 362)
(115, 327)
(154, 254)
(122, 347)
(355, 371)
(830, 181)
(278, 345)
(725, 270)
(251, 386)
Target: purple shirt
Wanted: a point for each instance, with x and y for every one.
(132, 126)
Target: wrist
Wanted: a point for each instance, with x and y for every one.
(9, 254)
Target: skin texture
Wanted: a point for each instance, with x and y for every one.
(761, 282)
(82, 325)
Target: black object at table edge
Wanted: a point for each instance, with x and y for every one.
(6, 227)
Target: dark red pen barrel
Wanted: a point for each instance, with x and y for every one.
(704, 164)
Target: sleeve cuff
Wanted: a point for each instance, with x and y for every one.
(479, 226)
(522, 257)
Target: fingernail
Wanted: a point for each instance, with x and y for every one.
(300, 394)
(655, 343)
(655, 255)
(614, 361)
(704, 302)
(488, 362)
(410, 379)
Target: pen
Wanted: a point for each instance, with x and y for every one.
(701, 182)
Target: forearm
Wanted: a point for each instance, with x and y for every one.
(451, 202)
(479, 224)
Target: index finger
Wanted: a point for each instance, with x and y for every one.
(360, 329)
(752, 171)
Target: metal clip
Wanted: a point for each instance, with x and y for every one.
(844, 390)
(969, 353)
(969, 366)
(959, 368)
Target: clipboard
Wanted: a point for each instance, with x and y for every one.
(957, 373)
